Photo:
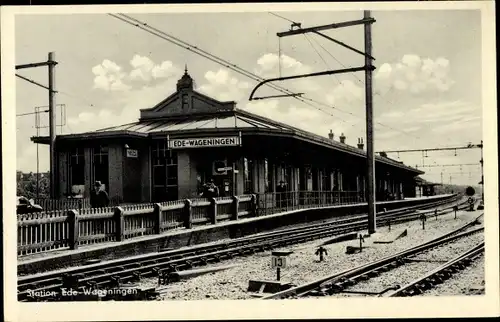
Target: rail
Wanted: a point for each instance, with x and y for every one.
(69, 228)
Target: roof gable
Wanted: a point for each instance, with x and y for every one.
(186, 102)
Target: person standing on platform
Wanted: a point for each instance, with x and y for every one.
(210, 190)
(98, 196)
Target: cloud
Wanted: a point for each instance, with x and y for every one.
(146, 70)
(347, 92)
(416, 75)
(109, 76)
(270, 66)
(222, 85)
(123, 108)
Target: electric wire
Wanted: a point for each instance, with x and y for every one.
(215, 59)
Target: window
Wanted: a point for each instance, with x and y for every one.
(76, 167)
(248, 175)
(101, 165)
(184, 101)
(164, 164)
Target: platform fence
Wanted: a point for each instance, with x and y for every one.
(69, 228)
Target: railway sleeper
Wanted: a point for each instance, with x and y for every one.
(163, 277)
(415, 290)
(335, 288)
(70, 281)
(116, 281)
(435, 279)
(362, 277)
(426, 284)
(385, 268)
(137, 276)
(467, 261)
(317, 293)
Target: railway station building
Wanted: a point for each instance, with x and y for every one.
(190, 138)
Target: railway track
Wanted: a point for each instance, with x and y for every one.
(118, 272)
(440, 274)
(338, 282)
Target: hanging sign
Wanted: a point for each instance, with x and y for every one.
(204, 142)
(131, 153)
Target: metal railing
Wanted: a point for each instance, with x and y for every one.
(270, 203)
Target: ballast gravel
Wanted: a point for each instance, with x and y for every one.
(303, 265)
(470, 281)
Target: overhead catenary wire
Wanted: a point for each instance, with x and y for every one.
(144, 26)
(213, 58)
(195, 49)
(338, 61)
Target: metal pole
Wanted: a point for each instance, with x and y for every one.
(37, 126)
(370, 155)
(234, 179)
(482, 173)
(52, 125)
(37, 173)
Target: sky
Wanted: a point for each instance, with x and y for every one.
(427, 82)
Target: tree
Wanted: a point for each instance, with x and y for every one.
(27, 186)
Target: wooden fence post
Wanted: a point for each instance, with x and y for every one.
(120, 223)
(74, 234)
(188, 214)
(157, 216)
(213, 211)
(235, 207)
(253, 206)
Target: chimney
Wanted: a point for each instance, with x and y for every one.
(342, 138)
(360, 143)
(330, 135)
(383, 154)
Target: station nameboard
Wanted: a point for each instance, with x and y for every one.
(204, 142)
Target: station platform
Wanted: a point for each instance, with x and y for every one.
(179, 238)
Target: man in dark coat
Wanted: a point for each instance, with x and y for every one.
(210, 190)
(98, 196)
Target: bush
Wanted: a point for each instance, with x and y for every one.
(27, 186)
